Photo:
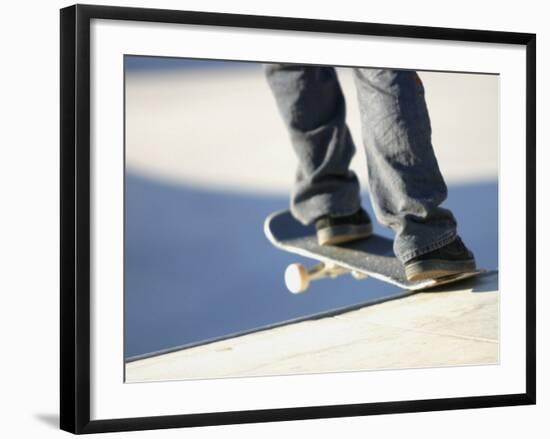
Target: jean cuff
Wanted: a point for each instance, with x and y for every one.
(440, 242)
(309, 211)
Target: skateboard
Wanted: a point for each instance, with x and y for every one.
(371, 257)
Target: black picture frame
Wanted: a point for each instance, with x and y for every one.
(75, 217)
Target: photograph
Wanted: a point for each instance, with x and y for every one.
(305, 218)
(286, 218)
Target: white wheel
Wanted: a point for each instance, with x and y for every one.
(296, 278)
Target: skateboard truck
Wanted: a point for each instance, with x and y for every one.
(298, 277)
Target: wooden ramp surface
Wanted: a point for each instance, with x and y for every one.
(447, 326)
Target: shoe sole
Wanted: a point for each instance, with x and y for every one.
(344, 233)
(436, 268)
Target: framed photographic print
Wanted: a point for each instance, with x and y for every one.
(214, 164)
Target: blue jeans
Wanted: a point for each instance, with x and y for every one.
(406, 186)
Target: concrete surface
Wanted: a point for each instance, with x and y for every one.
(455, 325)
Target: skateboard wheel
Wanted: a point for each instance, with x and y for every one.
(296, 278)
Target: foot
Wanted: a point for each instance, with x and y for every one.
(454, 258)
(339, 229)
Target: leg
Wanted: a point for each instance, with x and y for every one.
(406, 185)
(313, 108)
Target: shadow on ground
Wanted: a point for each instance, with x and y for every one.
(49, 419)
(197, 265)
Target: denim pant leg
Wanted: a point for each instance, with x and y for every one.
(312, 106)
(406, 185)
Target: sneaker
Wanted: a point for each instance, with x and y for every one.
(339, 229)
(454, 258)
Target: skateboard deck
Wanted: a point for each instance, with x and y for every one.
(371, 257)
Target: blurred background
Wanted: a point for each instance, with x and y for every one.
(208, 158)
